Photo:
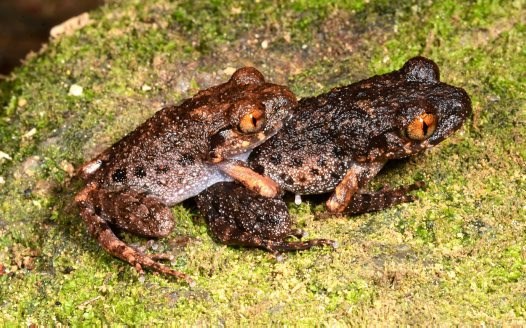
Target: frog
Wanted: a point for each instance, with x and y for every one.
(337, 143)
(174, 155)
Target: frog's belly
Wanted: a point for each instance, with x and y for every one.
(173, 184)
(184, 184)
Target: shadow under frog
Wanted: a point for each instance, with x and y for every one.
(176, 154)
(337, 142)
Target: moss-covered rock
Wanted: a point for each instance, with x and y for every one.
(457, 255)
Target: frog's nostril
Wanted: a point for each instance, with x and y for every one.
(214, 157)
(218, 139)
(139, 172)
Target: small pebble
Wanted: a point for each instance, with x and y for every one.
(75, 90)
(22, 102)
(4, 155)
(30, 133)
(229, 70)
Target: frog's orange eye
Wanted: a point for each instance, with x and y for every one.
(422, 127)
(253, 121)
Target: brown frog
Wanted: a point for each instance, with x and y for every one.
(176, 154)
(338, 141)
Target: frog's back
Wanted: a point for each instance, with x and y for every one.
(165, 156)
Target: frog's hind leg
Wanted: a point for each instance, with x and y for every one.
(113, 245)
(237, 237)
(134, 212)
(237, 216)
(91, 210)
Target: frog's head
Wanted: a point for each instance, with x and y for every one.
(256, 112)
(421, 112)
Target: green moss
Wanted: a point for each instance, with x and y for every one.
(455, 256)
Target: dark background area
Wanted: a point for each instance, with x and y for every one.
(25, 25)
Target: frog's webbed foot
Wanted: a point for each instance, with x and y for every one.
(283, 245)
(252, 180)
(94, 214)
(382, 199)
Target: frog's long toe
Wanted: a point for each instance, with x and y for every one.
(101, 230)
(142, 260)
(292, 246)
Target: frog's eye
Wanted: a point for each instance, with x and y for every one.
(253, 121)
(422, 127)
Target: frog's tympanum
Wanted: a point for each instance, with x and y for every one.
(176, 154)
(337, 142)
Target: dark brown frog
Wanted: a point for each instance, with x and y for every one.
(340, 140)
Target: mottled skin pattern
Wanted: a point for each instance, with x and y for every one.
(176, 154)
(337, 142)
(238, 216)
(340, 140)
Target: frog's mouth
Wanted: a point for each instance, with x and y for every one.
(229, 143)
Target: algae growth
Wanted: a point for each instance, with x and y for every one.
(455, 256)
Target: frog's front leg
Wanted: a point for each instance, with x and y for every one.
(355, 178)
(130, 211)
(349, 199)
(239, 171)
(382, 199)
